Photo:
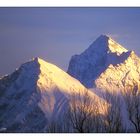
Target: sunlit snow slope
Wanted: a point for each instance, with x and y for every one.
(106, 65)
(35, 94)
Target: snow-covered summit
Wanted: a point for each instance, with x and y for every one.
(106, 44)
(105, 58)
(35, 94)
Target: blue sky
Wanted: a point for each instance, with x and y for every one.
(55, 34)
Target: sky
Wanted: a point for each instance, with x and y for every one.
(55, 34)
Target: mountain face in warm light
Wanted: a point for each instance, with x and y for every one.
(40, 97)
(106, 65)
(35, 94)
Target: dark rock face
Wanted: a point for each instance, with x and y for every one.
(93, 67)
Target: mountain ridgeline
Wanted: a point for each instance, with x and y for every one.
(40, 97)
(106, 65)
(36, 94)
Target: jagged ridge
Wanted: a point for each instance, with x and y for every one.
(35, 94)
(95, 64)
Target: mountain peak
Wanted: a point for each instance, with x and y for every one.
(35, 58)
(104, 36)
(106, 43)
(39, 92)
(103, 52)
(35, 63)
(38, 60)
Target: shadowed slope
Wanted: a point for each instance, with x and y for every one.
(104, 59)
(35, 94)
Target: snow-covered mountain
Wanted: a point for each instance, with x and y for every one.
(35, 94)
(106, 65)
